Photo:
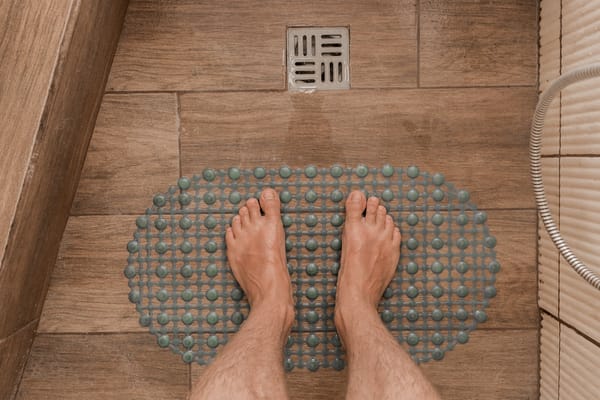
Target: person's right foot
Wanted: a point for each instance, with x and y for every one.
(256, 254)
(370, 253)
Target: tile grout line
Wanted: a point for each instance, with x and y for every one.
(560, 66)
(178, 125)
(189, 369)
(537, 243)
(19, 330)
(572, 327)
(359, 89)
(576, 155)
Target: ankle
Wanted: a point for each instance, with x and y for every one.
(278, 314)
(351, 316)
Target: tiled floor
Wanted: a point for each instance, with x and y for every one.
(449, 86)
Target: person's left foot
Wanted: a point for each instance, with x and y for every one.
(256, 253)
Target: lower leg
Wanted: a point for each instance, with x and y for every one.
(378, 367)
(251, 365)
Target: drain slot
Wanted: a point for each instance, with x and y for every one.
(318, 59)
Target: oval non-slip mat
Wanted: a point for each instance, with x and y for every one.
(186, 295)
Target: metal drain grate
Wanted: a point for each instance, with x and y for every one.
(318, 59)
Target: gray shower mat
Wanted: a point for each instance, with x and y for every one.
(186, 295)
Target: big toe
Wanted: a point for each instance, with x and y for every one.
(269, 202)
(355, 205)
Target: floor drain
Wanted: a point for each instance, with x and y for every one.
(318, 59)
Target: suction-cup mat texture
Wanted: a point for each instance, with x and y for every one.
(186, 295)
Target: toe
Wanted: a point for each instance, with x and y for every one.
(396, 237)
(381, 213)
(253, 208)
(236, 226)
(269, 202)
(229, 237)
(389, 225)
(244, 216)
(372, 205)
(355, 205)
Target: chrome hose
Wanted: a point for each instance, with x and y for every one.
(535, 145)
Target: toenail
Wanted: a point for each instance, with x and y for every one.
(268, 195)
(355, 197)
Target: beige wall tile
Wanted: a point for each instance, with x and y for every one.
(548, 272)
(580, 226)
(579, 301)
(580, 119)
(550, 13)
(550, 69)
(580, 132)
(579, 366)
(551, 132)
(549, 358)
(580, 34)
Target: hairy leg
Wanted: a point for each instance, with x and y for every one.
(378, 367)
(251, 365)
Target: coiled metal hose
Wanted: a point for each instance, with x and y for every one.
(535, 145)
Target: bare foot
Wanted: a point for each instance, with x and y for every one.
(256, 253)
(370, 253)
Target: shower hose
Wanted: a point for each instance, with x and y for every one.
(535, 144)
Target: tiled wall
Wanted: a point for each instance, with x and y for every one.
(570, 338)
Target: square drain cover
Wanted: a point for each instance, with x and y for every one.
(318, 59)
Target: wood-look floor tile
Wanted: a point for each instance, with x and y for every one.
(499, 364)
(476, 137)
(515, 305)
(88, 291)
(204, 45)
(133, 154)
(128, 367)
(478, 43)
